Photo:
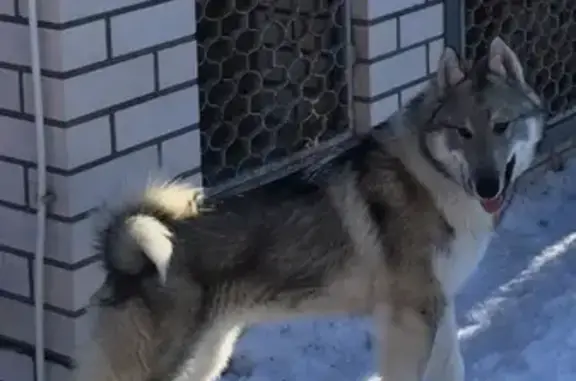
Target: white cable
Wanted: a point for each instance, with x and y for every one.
(41, 191)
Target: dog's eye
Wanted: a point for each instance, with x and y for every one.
(500, 128)
(464, 133)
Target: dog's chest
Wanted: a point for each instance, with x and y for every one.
(472, 232)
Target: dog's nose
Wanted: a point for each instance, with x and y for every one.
(487, 186)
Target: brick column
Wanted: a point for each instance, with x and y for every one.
(398, 43)
(121, 105)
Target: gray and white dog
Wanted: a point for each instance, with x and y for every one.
(390, 228)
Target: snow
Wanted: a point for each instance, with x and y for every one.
(517, 313)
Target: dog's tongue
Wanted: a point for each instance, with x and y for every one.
(492, 205)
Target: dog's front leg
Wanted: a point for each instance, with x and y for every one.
(446, 363)
(405, 336)
(199, 351)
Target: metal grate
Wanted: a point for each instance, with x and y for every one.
(543, 34)
(272, 78)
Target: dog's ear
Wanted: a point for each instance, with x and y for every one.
(503, 61)
(449, 70)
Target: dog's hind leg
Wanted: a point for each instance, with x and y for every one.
(446, 363)
(405, 335)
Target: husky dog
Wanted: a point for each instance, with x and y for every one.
(391, 228)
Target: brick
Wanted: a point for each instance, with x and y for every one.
(16, 48)
(71, 290)
(10, 94)
(372, 9)
(60, 50)
(18, 229)
(117, 179)
(66, 49)
(17, 138)
(407, 94)
(66, 148)
(16, 366)
(14, 275)
(371, 114)
(81, 144)
(71, 242)
(12, 189)
(182, 153)
(67, 242)
(157, 117)
(67, 10)
(178, 64)
(376, 40)
(62, 334)
(77, 96)
(435, 50)
(421, 25)
(383, 108)
(7, 8)
(155, 25)
(385, 75)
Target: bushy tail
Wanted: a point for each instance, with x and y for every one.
(139, 234)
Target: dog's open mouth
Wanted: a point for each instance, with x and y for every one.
(493, 205)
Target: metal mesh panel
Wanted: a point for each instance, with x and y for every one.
(272, 78)
(542, 33)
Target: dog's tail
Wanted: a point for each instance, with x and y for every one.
(139, 235)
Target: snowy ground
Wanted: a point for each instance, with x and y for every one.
(518, 312)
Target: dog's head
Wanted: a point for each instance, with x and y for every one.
(487, 124)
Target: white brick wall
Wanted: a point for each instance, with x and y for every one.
(9, 97)
(435, 49)
(85, 280)
(7, 8)
(56, 45)
(398, 44)
(66, 99)
(376, 40)
(15, 366)
(421, 25)
(146, 121)
(78, 193)
(13, 179)
(177, 64)
(155, 25)
(407, 66)
(121, 105)
(172, 151)
(374, 9)
(13, 269)
(63, 333)
(74, 10)
(67, 148)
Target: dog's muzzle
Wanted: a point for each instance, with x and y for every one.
(491, 191)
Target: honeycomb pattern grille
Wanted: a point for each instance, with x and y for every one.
(272, 79)
(542, 33)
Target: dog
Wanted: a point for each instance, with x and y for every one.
(390, 228)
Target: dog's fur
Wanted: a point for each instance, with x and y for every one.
(391, 228)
